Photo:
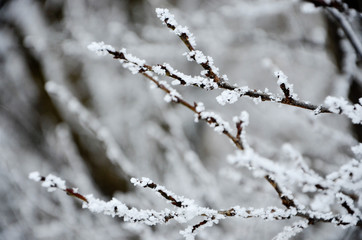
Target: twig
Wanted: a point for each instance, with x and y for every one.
(287, 202)
(185, 38)
(143, 69)
(263, 96)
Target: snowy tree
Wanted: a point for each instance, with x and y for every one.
(280, 95)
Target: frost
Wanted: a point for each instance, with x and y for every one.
(244, 118)
(291, 231)
(35, 176)
(357, 150)
(283, 81)
(200, 107)
(200, 58)
(100, 48)
(50, 182)
(166, 17)
(215, 121)
(341, 106)
(231, 96)
(159, 70)
(199, 81)
(131, 62)
(228, 96)
(282, 78)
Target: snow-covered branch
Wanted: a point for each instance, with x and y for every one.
(136, 65)
(338, 192)
(185, 211)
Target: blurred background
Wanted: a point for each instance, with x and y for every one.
(46, 40)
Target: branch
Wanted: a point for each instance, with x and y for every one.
(206, 62)
(287, 201)
(185, 211)
(138, 66)
(52, 183)
(230, 92)
(337, 10)
(328, 4)
(348, 31)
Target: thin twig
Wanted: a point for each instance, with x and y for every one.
(263, 96)
(210, 120)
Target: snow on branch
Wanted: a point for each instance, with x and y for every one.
(265, 168)
(286, 87)
(348, 177)
(183, 32)
(175, 200)
(241, 123)
(291, 231)
(136, 65)
(100, 48)
(185, 209)
(233, 92)
(52, 183)
(341, 106)
(188, 39)
(183, 79)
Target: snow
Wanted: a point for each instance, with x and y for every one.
(166, 17)
(283, 79)
(188, 80)
(50, 182)
(243, 117)
(228, 96)
(341, 106)
(100, 48)
(158, 70)
(200, 107)
(291, 231)
(34, 176)
(217, 122)
(231, 96)
(200, 58)
(291, 174)
(357, 150)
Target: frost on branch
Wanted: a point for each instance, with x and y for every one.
(183, 79)
(50, 182)
(290, 231)
(185, 209)
(231, 96)
(178, 201)
(100, 48)
(357, 150)
(289, 181)
(341, 106)
(241, 122)
(286, 87)
(169, 19)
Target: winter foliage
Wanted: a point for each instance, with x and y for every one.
(280, 166)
